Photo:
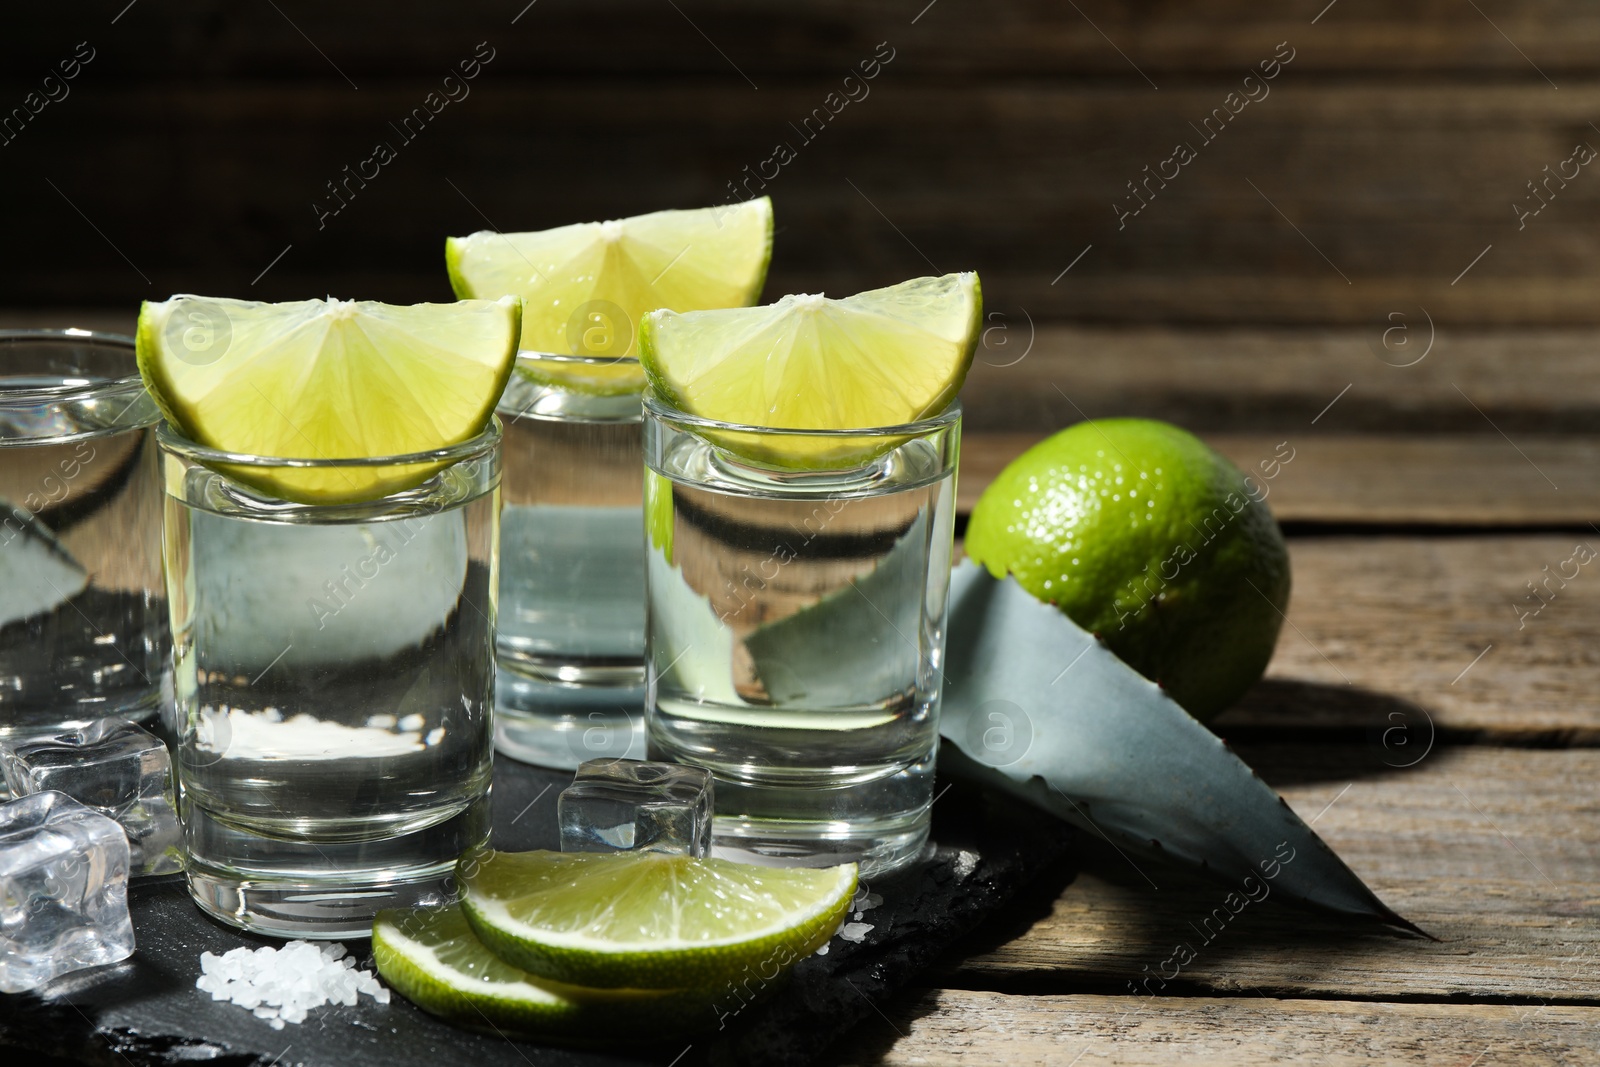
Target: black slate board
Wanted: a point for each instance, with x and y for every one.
(147, 1011)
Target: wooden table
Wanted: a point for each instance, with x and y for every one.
(1441, 741)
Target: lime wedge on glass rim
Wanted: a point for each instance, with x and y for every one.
(587, 285)
(431, 957)
(881, 358)
(642, 920)
(327, 380)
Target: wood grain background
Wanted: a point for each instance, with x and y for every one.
(1387, 156)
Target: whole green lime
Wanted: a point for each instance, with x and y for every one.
(1145, 536)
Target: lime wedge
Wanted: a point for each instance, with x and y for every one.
(880, 358)
(649, 921)
(327, 379)
(432, 958)
(587, 285)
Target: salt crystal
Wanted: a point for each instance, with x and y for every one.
(281, 985)
(856, 932)
(965, 863)
(864, 901)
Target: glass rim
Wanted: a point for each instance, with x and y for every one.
(65, 336)
(173, 441)
(661, 409)
(590, 361)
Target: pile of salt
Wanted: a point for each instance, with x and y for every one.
(282, 984)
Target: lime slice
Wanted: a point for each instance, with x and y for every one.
(649, 921)
(876, 359)
(327, 379)
(433, 959)
(587, 285)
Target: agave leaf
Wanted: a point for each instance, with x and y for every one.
(821, 657)
(1037, 707)
(862, 651)
(37, 573)
(311, 594)
(687, 624)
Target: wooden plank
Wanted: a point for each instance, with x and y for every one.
(770, 39)
(1441, 633)
(1463, 480)
(1491, 850)
(1288, 382)
(1367, 199)
(957, 1026)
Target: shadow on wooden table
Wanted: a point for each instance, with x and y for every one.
(1142, 926)
(1376, 733)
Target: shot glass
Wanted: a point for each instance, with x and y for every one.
(571, 629)
(83, 617)
(334, 682)
(796, 629)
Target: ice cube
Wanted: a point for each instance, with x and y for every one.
(614, 805)
(115, 767)
(63, 890)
